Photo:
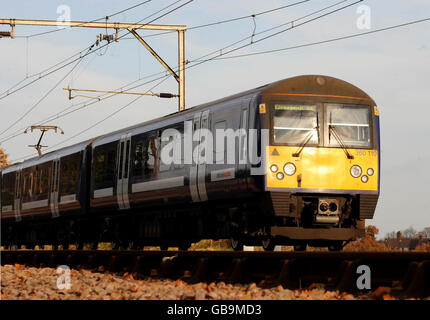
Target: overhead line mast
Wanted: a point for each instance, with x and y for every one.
(131, 27)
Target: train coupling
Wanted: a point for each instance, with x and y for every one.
(328, 211)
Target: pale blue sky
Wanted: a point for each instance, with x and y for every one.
(392, 67)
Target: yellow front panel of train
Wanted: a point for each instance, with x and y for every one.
(322, 168)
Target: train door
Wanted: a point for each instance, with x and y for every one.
(17, 196)
(193, 166)
(198, 165)
(201, 172)
(54, 189)
(243, 137)
(123, 173)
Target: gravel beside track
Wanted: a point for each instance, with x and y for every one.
(21, 282)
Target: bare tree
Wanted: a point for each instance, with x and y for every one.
(410, 233)
(426, 232)
(390, 235)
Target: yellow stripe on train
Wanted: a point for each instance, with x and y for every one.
(321, 168)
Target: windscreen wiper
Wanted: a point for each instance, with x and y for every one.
(305, 142)
(333, 130)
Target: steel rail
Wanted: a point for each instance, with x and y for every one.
(406, 273)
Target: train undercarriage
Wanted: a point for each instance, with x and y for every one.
(318, 221)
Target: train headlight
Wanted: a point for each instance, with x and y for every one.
(289, 169)
(370, 171)
(280, 176)
(364, 179)
(273, 168)
(355, 171)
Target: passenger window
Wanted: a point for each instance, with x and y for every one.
(151, 164)
(31, 185)
(70, 166)
(145, 160)
(127, 159)
(220, 152)
(27, 189)
(44, 181)
(121, 156)
(8, 189)
(243, 135)
(104, 165)
(178, 162)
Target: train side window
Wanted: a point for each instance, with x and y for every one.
(31, 185)
(8, 189)
(243, 134)
(27, 186)
(44, 180)
(145, 161)
(219, 153)
(127, 159)
(70, 166)
(23, 184)
(40, 182)
(104, 165)
(139, 158)
(178, 159)
(152, 151)
(121, 156)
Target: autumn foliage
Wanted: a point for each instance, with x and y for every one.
(368, 243)
(3, 159)
(423, 247)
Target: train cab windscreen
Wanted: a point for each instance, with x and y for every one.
(293, 124)
(350, 125)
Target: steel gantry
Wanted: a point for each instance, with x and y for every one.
(131, 27)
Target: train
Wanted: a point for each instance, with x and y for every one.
(295, 162)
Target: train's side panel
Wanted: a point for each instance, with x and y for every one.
(222, 175)
(127, 172)
(45, 189)
(153, 182)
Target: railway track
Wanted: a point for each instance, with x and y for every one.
(406, 273)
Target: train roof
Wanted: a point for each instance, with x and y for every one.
(318, 85)
(303, 85)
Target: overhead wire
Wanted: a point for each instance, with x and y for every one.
(326, 41)
(161, 33)
(206, 60)
(84, 104)
(230, 20)
(288, 48)
(56, 30)
(95, 20)
(89, 52)
(34, 106)
(98, 122)
(109, 116)
(292, 23)
(45, 72)
(159, 17)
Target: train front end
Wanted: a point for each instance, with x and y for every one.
(322, 160)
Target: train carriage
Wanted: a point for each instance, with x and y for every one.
(39, 190)
(317, 180)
